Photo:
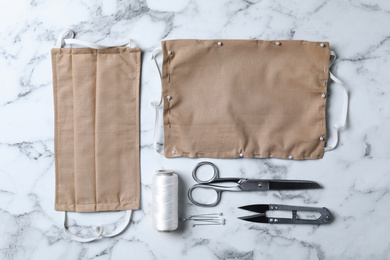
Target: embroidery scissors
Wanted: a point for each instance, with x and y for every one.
(241, 184)
(324, 218)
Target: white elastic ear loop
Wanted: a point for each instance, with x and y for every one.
(156, 104)
(99, 230)
(81, 239)
(67, 37)
(344, 112)
(65, 34)
(95, 45)
(332, 58)
(121, 229)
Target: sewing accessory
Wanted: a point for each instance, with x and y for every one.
(242, 184)
(165, 200)
(206, 219)
(325, 218)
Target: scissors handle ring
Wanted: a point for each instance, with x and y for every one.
(214, 177)
(213, 204)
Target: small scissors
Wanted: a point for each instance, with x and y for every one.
(242, 184)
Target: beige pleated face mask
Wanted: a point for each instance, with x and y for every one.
(96, 101)
(245, 98)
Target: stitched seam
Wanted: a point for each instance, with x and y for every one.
(169, 86)
(74, 170)
(56, 131)
(270, 155)
(95, 171)
(217, 124)
(61, 52)
(325, 86)
(100, 203)
(136, 93)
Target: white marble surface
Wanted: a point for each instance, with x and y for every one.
(356, 181)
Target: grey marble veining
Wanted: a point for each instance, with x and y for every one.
(355, 176)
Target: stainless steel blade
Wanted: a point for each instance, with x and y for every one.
(264, 185)
(258, 208)
(293, 185)
(259, 218)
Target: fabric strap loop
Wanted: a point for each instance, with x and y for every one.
(344, 112)
(99, 230)
(66, 37)
(157, 104)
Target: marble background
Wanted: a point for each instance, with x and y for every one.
(356, 175)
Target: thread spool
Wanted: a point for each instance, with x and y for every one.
(165, 200)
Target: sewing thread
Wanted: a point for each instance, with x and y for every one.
(165, 201)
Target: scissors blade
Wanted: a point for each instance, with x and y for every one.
(258, 218)
(258, 208)
(264, 185)
(293, 185)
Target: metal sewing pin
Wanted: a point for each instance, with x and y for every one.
(211, 223)
(206, 219)
(200, 219)
(209, 220)
(208, 224)
(209, 214)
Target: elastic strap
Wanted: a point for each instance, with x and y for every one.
(98, 229)
(67, 37)
(344, 112)
(156, 104)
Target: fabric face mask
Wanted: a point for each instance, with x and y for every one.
(245, 98)
(96, 101)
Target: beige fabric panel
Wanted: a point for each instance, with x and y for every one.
(96, 97)
(84, 104)
(244, 98)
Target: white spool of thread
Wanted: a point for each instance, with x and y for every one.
(165, 200)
